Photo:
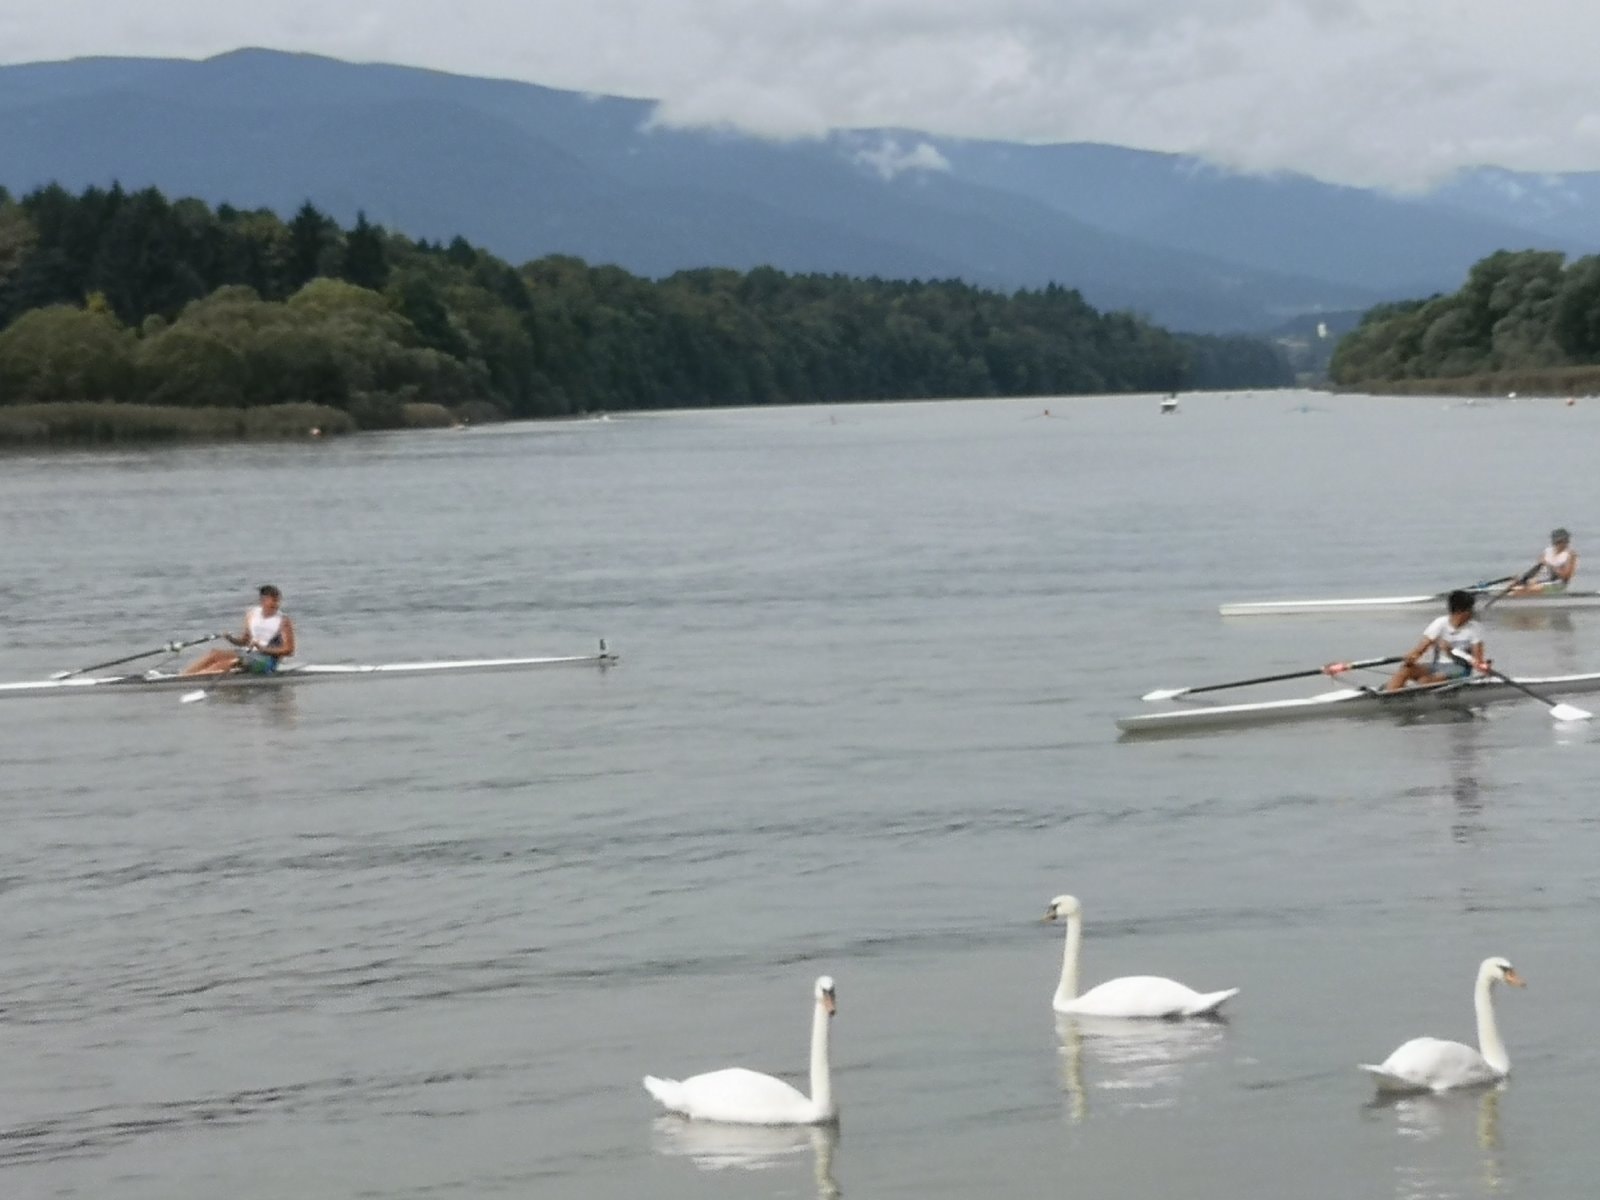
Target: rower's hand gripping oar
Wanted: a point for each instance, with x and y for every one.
(1515, 582)
(1561, 712)
(169, 648)
(1330, 669)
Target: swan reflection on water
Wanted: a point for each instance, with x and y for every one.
(1426, 1116)
(1130, 1063)
(714, 1147)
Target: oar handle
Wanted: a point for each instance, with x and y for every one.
(1335, 668)
(1327, 669)
(1516, 581)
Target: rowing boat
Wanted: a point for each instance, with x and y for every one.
(1538, 602)
(1354, 702)
(165, 681)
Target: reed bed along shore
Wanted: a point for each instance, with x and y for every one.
(108, 423)
(1529, 381)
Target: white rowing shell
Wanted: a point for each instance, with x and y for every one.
(1552, 602)
(307, 673)
(1352, 702)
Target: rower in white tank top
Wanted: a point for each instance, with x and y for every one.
(1555, 569)
(267, 640)
(1451, 647)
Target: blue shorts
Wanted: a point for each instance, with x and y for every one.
(254, 662)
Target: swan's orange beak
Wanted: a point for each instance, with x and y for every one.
(828, 1005)
(1049, 915)
(1515, 980)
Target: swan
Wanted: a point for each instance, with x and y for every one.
(1427, 1064)
(1130, 996)
(741, 1097)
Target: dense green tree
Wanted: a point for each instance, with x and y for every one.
(311, 244)
(1516, 310)
(61, 353)
(1576, 319)
(240, 308)
(366, 263)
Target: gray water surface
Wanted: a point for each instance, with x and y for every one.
(421, 938)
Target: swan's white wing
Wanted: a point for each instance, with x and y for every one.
(1145, 996)
(1431, 1064)
(742, 1097)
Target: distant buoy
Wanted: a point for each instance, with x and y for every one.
(1571, 400)
(1047, 412)
(315, 431)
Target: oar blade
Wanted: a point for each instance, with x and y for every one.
(1570, 712)
(1164, 694)
(191, 697)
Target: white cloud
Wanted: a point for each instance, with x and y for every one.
(766, 112)
(1366, 91)
(888, 158)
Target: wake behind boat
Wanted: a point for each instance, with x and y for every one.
(163, 681)
(1458, 695)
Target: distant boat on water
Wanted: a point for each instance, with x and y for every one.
(1169, 404)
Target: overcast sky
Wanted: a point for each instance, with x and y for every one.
(1395, 92)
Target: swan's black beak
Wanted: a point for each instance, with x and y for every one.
(1050, 915)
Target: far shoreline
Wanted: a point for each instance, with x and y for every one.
(91, 425)
(117, 425)
(1549, 382)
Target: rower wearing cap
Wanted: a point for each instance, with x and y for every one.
(268, 638)
(1446, 642)
(1556, 567)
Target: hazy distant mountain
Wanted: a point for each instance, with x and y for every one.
(528, 171)
(1564, 208)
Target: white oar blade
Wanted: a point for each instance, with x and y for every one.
(1570, 712)
(1164, 694)
(191, 697)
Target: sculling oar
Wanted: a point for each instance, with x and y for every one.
(1330, 669)
(169, 648)
(1561, 712)
(1512, 585)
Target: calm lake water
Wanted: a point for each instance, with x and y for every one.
(420, 939)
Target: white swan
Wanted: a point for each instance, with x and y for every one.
(742, 1097)
(1130, 996)
(1427, 1064)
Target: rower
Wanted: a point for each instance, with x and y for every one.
(1555, 569)
(1447, 637)
(267, 640)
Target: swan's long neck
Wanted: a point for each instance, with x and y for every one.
(1067, 989)
(821, 1081)
(1489, 1043)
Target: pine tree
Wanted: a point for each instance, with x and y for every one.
(366, 262)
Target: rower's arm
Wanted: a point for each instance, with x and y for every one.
(240, 639)
(1567, 572)
(1418, 651)
(1479, 662)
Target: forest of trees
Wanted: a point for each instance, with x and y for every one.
(1518, 311)
(127, 297)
